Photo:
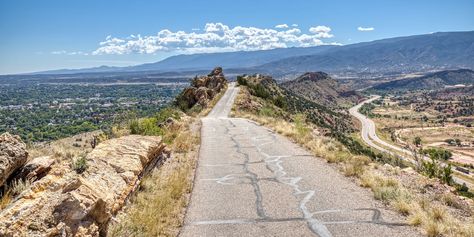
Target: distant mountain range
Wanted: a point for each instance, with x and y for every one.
(437, 51)
(433, 81)
(204, 61)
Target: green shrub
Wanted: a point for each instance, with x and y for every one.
(417, 141)
(145, 126)
(463, 190)
(260, 91)
(437, 153)
(134, 126)
(281, 102)
(241, 81)
(367, 110)
(166, 113)
(182, 103)
(80, 165)
(447, 175)
(267, 111)
(430, 168)
(301, 129)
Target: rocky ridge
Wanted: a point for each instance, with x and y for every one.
(202, 90)
(64, 203)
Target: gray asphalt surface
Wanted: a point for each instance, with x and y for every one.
(253, 182)
(369, 135)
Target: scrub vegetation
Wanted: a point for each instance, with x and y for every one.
(427, 203)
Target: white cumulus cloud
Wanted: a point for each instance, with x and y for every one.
(360, 28)
(281, 26)
(321, 31)
(215, 37)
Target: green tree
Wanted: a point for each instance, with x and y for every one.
(417, 141)
(447, 175)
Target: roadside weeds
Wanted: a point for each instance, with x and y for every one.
(419, 200)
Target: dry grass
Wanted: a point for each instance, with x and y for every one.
(66, 148)
(6, 199)
(157, 209)
(434, 217)
(355, 166)
(451, 200)
(14, 189)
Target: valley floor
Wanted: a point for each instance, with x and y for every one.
(369, 136)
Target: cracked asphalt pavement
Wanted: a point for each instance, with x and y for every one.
(253, 182)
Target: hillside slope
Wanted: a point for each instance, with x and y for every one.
(437, 80)
(265, 87)
(321, 88)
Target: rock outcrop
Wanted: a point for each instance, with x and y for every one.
(64, 203)
(36, 168)
(202, 89)
(13, 155)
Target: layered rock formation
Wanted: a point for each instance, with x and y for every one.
(66, 203)
(36, 168)
(13, 155)
(202, 89)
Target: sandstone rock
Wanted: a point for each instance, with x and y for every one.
(66, 203)
(36, 168)
(409, 170)
(203, 89)
(13, 155)
(202, 95)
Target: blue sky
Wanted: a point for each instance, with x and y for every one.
(53, 34)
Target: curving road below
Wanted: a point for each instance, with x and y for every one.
(253, 182)
(369, 136)
(368, 131)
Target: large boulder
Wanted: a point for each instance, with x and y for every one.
(13, 155)
(65, 203)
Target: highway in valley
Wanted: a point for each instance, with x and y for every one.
(369, 136)
(251, 181)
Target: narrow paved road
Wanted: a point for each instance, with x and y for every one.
(253, 182)
(369, 135)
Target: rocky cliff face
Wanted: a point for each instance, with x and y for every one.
(13, 155)
(202, 90)
(64, 203)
